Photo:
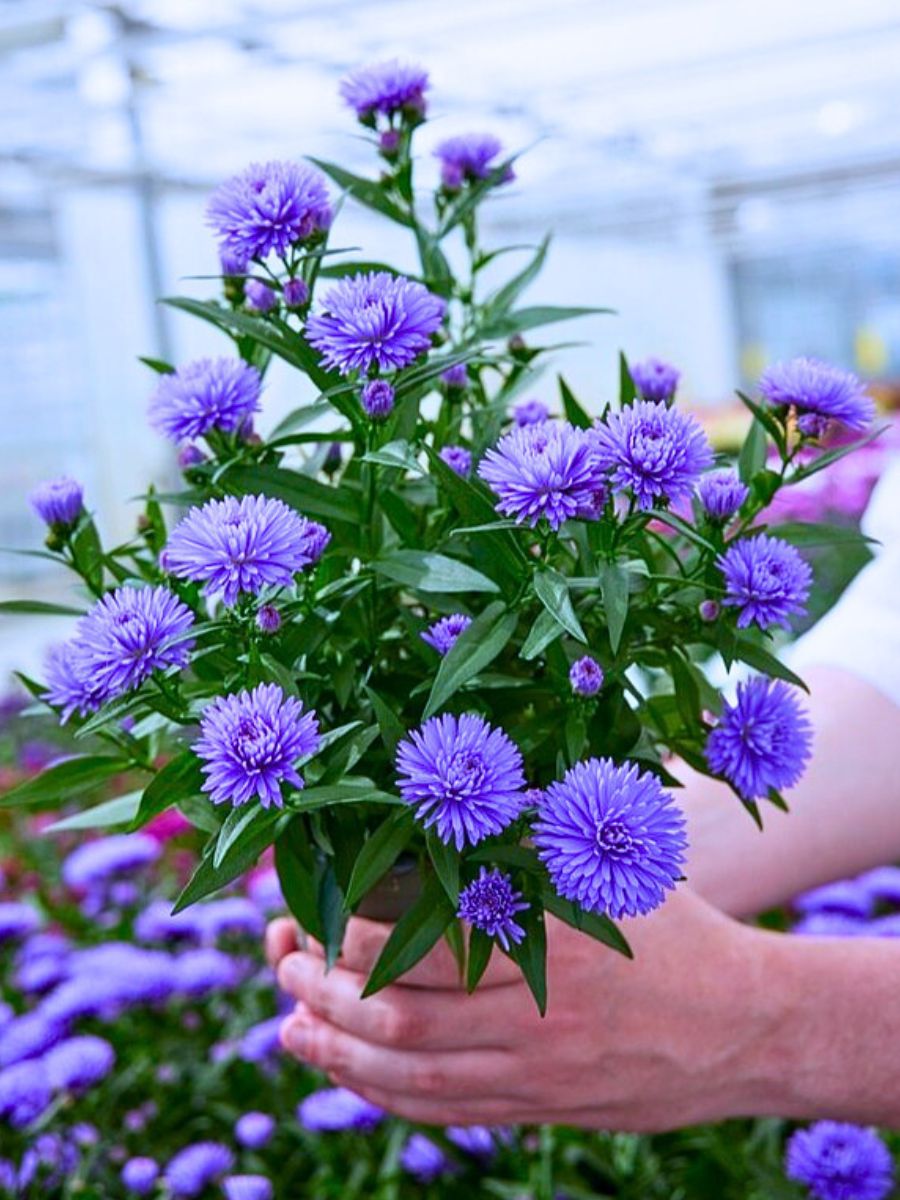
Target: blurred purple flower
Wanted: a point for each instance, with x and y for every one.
(334, 1109)
(199, 972)
(59, 502)
(424, 1159)
(139, 1175)
(261, 1041)
(259, 296)
(25, 1092)
(819, 392)
(469, 158)
(268, 207)
(531, 412)
(48, 1160)
(193, 1169)
(386, 88)
(844, 896)
(103, 858)
(458, 459)
(17, 920)
(247, 1187)
(655, 379)
(254, 1130)
(79, 1063)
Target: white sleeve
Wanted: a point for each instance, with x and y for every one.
(861, 634)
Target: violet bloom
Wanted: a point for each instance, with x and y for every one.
(295, 293)
(837, 1161)
(190, 456)
(586, 676)
(881, 884)
(377, 399)
(268, 619)
(375, 319)
(655, 452)
(721, 493)
(766, 578)
(478, 1140)
(268, 208)
(424, 1159)
(458, 459)
(49, 1160)
(236, 546)
(71, 686)
(101, 859)
(820, 393)
(443, 633)
(261, 1041)
(59, 502)
(843, 896)
(531, 412)
(254, 1130)
(230, 915)
(157, 923)
(247, 1187)
(17, 920)
(456, 378)
(762, 741)
(462, 777)
(9, 1178)
(543, 471)
(251, 742)
(470, 158)
(199, 972)
(191, 1171)
(491, 903)
(139, 1175)
(655, 379)
(205, 395)
(29, 1035)
(384, 89)
(129, 634)
(612, 839)
(79, 1063)
(333, 1110)
(25, 1092)
(259, 296)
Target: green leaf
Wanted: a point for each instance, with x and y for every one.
(523, 858)
(523, 319)
(627, 390)
(686, 530)
(575, 414)
(87, 553)
(298, 875)
(157, 365)
(507, 295)
(594, 924)
(380, 851)
(435, 267)
(809, 533)
(552, 590)
(395, 454)
(299, 491)
(63, 780)
(614, 582)
(831, 456)
(427, 572)
(480, 949)
(332, 914)
(546, 629)
(445, 860)
(119, 811)
(239, 824)
(417, 931)
(756, 656)
(39, 607)
(531, 953)
(179, 778)
(392, 728)
(752, 457)
(208, 877)
(354, 789)
(474, 649)
(367, 191)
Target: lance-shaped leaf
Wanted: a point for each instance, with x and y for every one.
(180, 778)
(575, 414)
(420, 928)
(259, 832)
(531, 953)
(64, 780)
(367, 191)
(308, 496)
(474, 649)
(380, 851)
(614, 583)
(105, 815)
(596, 925)
(426, 572)
(552, 589)
(39, 608)
(523, 319)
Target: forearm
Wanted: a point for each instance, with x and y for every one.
(844, 818)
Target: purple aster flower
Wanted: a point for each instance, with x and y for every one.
(424, 1159)
(139, 1176)
(462, 776)
(611, 837)
(259, 296)
(721, 493)
(129, 634)
(40, 973)
(766, 578)
(24, 1092)
(49, 1159)
(251, 742)
(491, 903)
(264, 890)
(59, 502)
(844, 896)
(332, 1110)
(819, 392)
(469, 158)
(17, 920)
(375, 319)
(269, 207)
(531, 412)
(761, 741)
(377, 399)
(247, 1187)
(203, 395)
(199, 972)
(458, 459)
(295, 293)
(261, 1041)
(832, 924)
(108, 979)
(655, 379)
(456, 378)
(233, 546)
(477, 1140)
(29, 1035)
(230, 915)
(9, 1178)
(384, 89)
(103, 858)
(254, 1130)
(884, 927)
(840, 1162)
(545, 470)
(268, 619)
(443, 633)
(655, 451)
(79, 1063)
(586, 676)
(71, 686)
(881, 884)
(193, 1169)
(157, 923)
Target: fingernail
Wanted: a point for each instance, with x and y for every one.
(296, 1039)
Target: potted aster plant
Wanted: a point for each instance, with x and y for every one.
(427, 619)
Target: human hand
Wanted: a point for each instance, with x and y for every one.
(669, 1039)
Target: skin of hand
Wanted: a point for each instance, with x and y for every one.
(663, 1041)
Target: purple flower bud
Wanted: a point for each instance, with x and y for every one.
(268, 619)
(139, 1175)
(333, 459)
(254, 1130)
(247, 1187)
(586, 676)
(531, 412)
(654, 379)
(458, 459)
(83, 1133)
(456, 377)
(295, 293)
(59, 502)
(190, 456)
(424, 1159)
(259, 296)
(708, 609)
(377, 399)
